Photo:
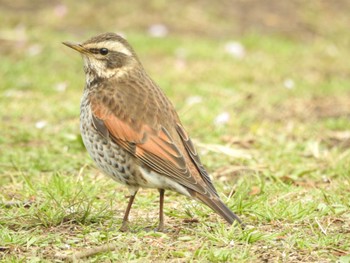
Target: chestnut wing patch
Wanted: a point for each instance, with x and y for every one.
(153, 147)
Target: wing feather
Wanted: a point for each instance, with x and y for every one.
(155, 148)
(194, 156)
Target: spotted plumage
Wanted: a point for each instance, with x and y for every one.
(132, 131)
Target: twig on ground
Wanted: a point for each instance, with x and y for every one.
(235, 170)
(86, 253)
(223, 149)
(10, 204)
(321, 227)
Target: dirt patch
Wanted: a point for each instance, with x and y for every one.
(314, 108)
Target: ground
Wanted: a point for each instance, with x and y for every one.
(261, 86)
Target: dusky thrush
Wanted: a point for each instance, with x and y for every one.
(132, 131)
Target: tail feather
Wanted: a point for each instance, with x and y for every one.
(219, 207)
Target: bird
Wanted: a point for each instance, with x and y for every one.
(132, 131)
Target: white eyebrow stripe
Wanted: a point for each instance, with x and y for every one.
(113, 45)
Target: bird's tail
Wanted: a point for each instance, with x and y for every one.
(219, 207)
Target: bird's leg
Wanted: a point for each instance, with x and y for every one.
(161, 214)
(125, 226)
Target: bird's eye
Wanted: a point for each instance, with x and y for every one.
(103, 51)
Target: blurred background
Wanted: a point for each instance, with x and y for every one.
(201, 18)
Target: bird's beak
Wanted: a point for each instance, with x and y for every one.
(75, 46)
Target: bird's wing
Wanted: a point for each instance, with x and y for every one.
(153, 145)
(191, 150)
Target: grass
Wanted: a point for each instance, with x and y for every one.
(292, 191)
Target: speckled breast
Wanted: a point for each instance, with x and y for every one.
(108, 156)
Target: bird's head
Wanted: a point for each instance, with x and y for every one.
(106, 55)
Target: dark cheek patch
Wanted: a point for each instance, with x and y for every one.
(116, 60)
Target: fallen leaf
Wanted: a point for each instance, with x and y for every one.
(255, 190)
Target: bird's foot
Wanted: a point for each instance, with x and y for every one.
(160, 227)
(124, 227)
